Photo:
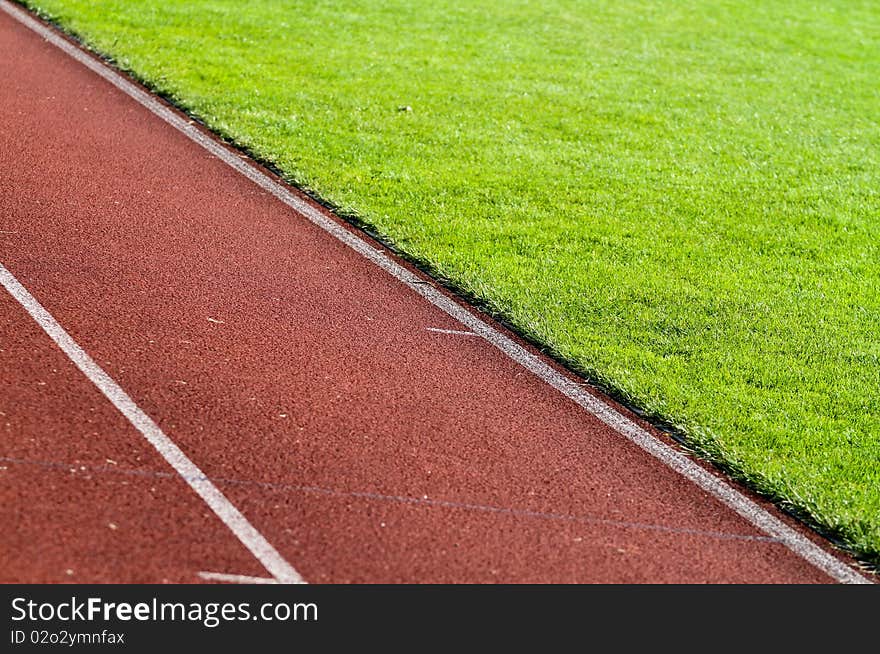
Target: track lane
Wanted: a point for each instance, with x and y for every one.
(275, 355)
(83, 498)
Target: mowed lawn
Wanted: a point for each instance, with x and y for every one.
(679, 200)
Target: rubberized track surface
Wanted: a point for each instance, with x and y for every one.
(360, 429)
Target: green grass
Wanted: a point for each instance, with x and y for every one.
(680, 200)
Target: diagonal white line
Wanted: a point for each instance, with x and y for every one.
(280, 569)
(719, 489)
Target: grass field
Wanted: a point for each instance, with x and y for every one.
(679, 200)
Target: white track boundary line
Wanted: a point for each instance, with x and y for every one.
(716, 487)
(280, 569)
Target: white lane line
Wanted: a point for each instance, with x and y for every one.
(280, 569)
(719, 489)
(457, 332)
(236, 579)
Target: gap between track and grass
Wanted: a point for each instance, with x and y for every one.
(711, 484)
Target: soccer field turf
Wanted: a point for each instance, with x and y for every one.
(680, 201)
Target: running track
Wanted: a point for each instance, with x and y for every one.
(240, 395)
